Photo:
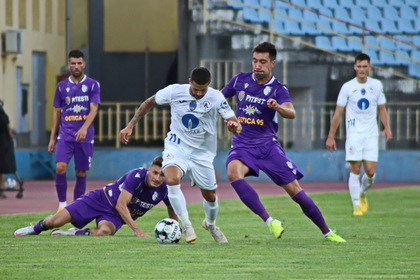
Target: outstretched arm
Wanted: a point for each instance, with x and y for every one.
(122, 209)
(330, 143)
(383, 115)
(143, 109)
(233, 125)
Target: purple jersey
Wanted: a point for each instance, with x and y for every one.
(74, 101)
(259, 123)
(144, 197)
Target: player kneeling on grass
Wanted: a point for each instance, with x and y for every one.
(118, 203)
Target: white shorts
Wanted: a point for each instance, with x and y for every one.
(362, 148)
(200, 170)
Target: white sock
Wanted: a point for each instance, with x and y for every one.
(212, 210)
(178, 202)
(367, 182)
(62, 204)
(269, 220)
(354, 189)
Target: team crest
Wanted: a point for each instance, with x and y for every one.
(193, 106)
(363, 91)
(289, 164)
(241, 95)
(68, 100)
(246, 85)
(84, 88)
(67, 89)
(155, 195)
(206, 105)
(267, 91)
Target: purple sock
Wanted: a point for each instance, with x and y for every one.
(83, 232)
(312, 211)
(61, 186)
(39, 227)
(80, 187)
(250, 198)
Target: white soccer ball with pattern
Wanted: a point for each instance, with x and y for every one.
(168, 231)
(10, 184)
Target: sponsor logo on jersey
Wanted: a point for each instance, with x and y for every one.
(82, 98)
(77, 108)
(241, 95)
(250, 110)
(193, 106)
(267, 90)
(190, 121)
(363, 104)
(224, 105)
(253, 99)
(68, 100)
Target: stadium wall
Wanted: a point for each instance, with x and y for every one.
(393, 166)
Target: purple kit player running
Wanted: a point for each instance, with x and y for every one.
(260, 99)
(75, 107)
(118, 203)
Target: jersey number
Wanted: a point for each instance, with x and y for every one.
(351, 122)
(174, 138)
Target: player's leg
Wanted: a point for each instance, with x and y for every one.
(63, 153)
(370, 158)
(104, 228)
(57, 220)
(82, 158)
(355, 187)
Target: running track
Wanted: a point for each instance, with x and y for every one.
(41, 195)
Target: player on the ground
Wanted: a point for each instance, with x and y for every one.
(191, 143)
(362, 97)
(118, 203)
(261, 98)
(76, 104)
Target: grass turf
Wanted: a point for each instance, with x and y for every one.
(382, 244)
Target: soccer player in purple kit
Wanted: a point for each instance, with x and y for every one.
(76, 104)
(261, 97)
(118, 203)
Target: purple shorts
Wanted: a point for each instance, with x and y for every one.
(91, 206)
(271, 159)
(82, 151)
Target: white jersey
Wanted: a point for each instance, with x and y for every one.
(194, 121)
(361, 102)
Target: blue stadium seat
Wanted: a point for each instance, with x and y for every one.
(325, 11)
(325, 25)
(323, 42)
(266, 4)
(310, 16)
(309, 29)
(374, 59)
(416, 40)
(279, 26)
(387, 58)
(417, 23)
(250, 14)
(234, 5)
(264, 16)
(295, 13)
(346, 3)
(401, 60)
(414, 70)
(406, 26)
(372, 24)
(340, 27)
(387, 43)
(370, 41)
(415, 54)
(357, 14)
(341, 13)
(281, 5)
(299, 2)
(407, 12)
(252, 3)
(314, 4)
(280, 11)
(413, 3)
(401, 46)
(389, 26)
(356, 30)
(390, 12)
(373, 12)
(354, 45)
(331, 4)
(292, 27)
(340, 44)
(396, 3)
(363, 3)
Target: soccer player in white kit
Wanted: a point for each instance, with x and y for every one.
(362, 97)
(191, 143)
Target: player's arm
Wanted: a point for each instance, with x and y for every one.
(81, 133)
(122, 209)
(286, 109)
(233, 125)
(335, 122)
(54, 129)
(383, 116)
(143, 109)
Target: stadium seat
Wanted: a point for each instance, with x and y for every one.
(340, 44)
(309, 29)
(401, 60)
(416, 40)
(250, 14)
(324, 26)
(357, 14)
(310, 16)
(314, 4)
(370, 40)
(413, 3)
(341, 13)
(234, 5)
(417, 24)
(414, 70)
(356, 30)
(292, 27)
(340, 27)
(372, 24)
(347, 3)
(407, 12)
(264, 16)
(396, 3)
(415, 54)
(390, 12)
(363, 3)
(281, 5)
(373, 12)
(402, 46)
(331, 4)
(406, 26)
(280, 11)
(389, 26)
(266, 4)
(387, 43)
(323, 42)
(325, 11)
(252, 2)
(374, 59)
(279, 26)
(355, 45)
(295, 13)
(387, 58)
(299, 2)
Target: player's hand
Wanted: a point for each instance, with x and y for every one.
(51, 146)
(272, 104)
(141, 233)
(125, 134)
(233, 126)
(81, 135)
(331, 145)
(388, 135)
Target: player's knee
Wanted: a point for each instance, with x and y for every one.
(81, 173)
(50, 222)
(105, 232)
(61, 168)
(370, 173)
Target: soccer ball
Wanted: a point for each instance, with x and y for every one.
(10, 184)
(168, 231)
